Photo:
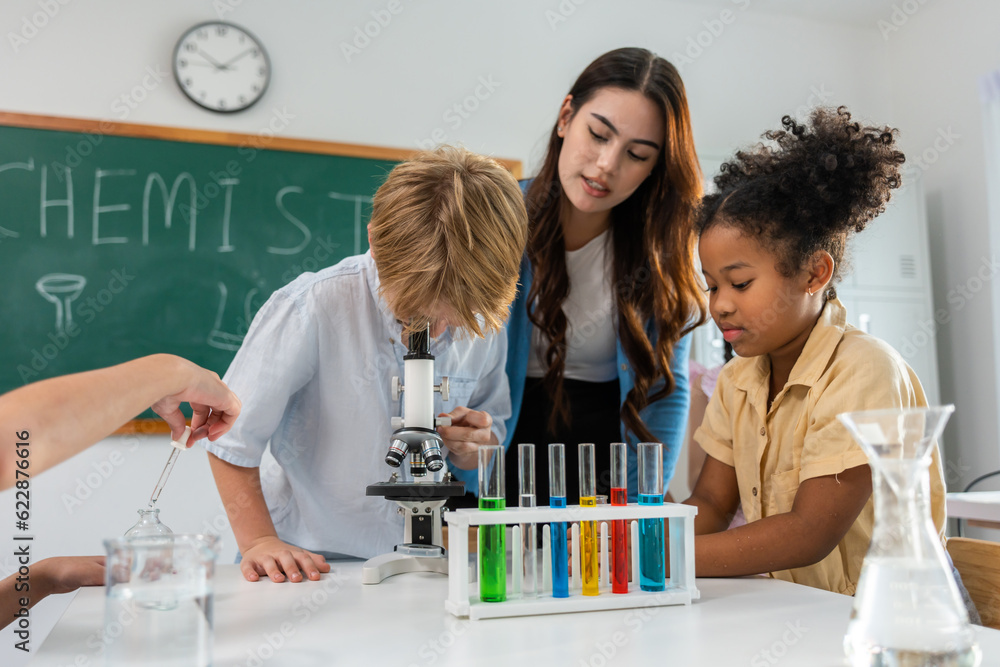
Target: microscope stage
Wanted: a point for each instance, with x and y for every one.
(416, 490)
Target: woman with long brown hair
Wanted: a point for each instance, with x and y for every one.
(598, 336)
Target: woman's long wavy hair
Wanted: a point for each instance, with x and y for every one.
(656, 292)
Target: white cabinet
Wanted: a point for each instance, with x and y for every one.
(888, 291)
(907, 324)
(892, 252)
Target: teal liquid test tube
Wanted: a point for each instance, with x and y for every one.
(529, 536)
(652, 563)
(619, 529)
(557, 498)
(492, 543)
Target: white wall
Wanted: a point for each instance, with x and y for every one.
(935, 60)
(431, 56)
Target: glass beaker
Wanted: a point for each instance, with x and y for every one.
(158, 609)
(907, 608)
(148, 525)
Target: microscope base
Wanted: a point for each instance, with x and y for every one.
(381, 567)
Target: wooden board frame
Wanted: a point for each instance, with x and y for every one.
(212, 137)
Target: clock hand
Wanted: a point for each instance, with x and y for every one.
(235, 58)
(215, 63)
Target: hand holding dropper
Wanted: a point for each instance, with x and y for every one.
(179, 446)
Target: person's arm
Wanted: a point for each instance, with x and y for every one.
(264, 554)
(824, 510)
(716, 494)
(49, 576)
(63, 416)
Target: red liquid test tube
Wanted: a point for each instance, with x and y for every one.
(619, 528)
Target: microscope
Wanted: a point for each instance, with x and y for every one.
(416, 441)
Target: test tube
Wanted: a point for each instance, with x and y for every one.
(557, 498)
(619, 531)
(588, 529)
(529, 538)
(652, 576)
(492, 547)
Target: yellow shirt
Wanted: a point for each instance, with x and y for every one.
(841, 369)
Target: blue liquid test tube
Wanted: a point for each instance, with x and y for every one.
(529, 536)
(557, 498)
(652, 565)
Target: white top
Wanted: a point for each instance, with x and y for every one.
(590, 333)
(402, 621)
(315, 374)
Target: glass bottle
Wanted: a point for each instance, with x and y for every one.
(148, 525)
(907, 608)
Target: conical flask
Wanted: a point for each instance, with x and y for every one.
(148, 525)
(907, 608)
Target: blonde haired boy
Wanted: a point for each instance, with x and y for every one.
(447, 234)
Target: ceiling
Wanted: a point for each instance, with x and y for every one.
(848, 12)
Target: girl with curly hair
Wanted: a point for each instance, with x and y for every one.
(772, 243)
(597, 338)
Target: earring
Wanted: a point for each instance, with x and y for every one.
(809, 292)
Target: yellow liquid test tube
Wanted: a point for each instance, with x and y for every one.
(588, 529)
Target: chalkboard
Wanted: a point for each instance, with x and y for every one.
(120, 240)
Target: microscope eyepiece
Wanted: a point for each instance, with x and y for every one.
(432, 454)
(397, 452)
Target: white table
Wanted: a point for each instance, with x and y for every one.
(402, 622)
(974, 505)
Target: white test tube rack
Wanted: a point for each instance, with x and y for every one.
(463, 596)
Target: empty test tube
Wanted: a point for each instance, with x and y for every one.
(529, 537)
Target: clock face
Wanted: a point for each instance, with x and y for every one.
(221, 67)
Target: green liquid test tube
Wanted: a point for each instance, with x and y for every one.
(492, 543)
(588, 529)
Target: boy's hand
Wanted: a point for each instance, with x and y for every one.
(468, 430)
(279, 560)
(65, 574)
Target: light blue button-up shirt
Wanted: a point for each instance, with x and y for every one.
(314, 375)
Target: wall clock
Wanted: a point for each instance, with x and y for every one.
(221, 67)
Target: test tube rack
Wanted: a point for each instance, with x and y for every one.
(463, 596)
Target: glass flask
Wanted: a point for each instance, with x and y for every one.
(148, 525)
(159, 599)
(907, 609)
